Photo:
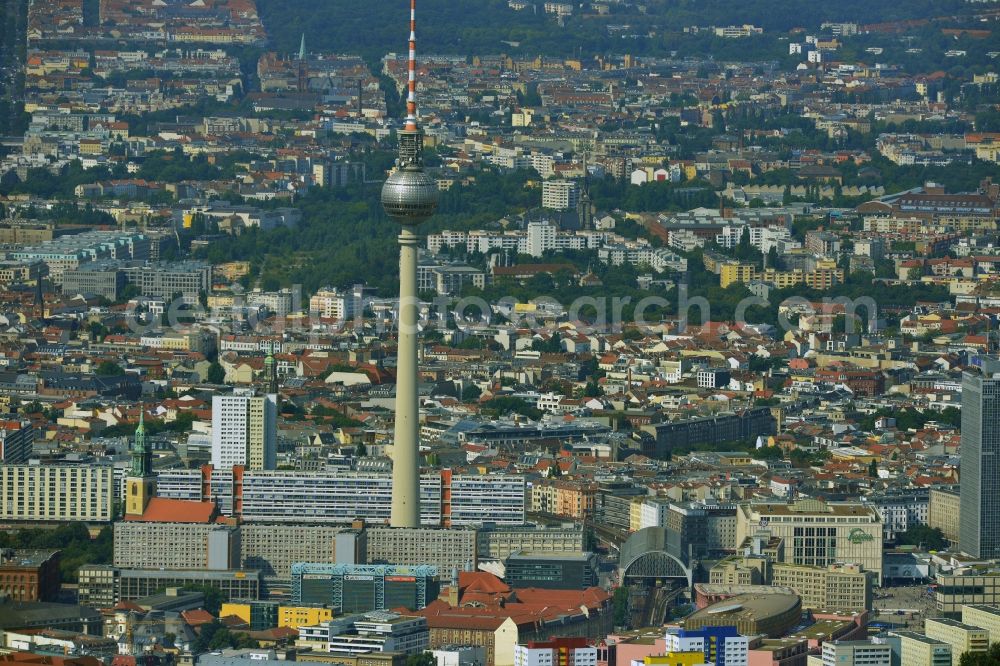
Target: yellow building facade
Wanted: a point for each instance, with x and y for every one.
(824, 277)
(672, 659)
(294, 617)
(960, 636)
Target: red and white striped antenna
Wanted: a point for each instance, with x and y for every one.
(411, 95)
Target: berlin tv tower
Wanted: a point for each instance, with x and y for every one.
(409, 196)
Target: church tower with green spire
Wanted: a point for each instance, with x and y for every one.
(140, 484)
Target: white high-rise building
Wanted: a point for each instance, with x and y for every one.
(560, 194)
(653, 512)
(556, 652)
(541, 237)
(856, 653)
(244, 430)
(337, 304)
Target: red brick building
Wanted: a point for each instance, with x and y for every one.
(866, 383)
(29, 575)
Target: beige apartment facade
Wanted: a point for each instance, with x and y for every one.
(816, 533)
(57, 493)
(943, 510)
(445, 549)
(984, 617)
(842, 587)
(500, 542)
(915, 649)
(960, 636)
(955, 591)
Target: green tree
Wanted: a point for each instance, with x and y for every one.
(471, 393)
(769, 453)
(873, 469)
(619, 606)
(213, 596)
(422, 659)
(471, 343)
(96, 330)
(127, 293)
(744, 250)
(928, 538)
(989, 658)
(803, 458)
(773, 260)
(554, 344)
(109, 369)
(503, 405)
(182, 423)
(216, 373)
(361, 450)
(74, 542)
(33, 407)
(215, 636)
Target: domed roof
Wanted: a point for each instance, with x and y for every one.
(409, 196)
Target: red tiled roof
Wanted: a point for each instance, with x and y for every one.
(535, 608)
(591, 597)
(481, 581)
(198, 617)
(164, 510)
(275, 634)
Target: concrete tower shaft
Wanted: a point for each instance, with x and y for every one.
(409, 196)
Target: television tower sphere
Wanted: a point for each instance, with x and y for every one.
(409, 195)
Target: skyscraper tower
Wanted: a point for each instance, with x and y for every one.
(585, 209)
(245, 430)
(140, 485)
(409, 196)
(271, 371)
(979, 514)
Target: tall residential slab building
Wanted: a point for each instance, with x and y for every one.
(856, 653)
(335, 496)
(57, 493)
(979, 526)
(915, 649)
(984, 617)
(244, 430)
(560, 194)
(960, 636)
(16, 439)
(944, 507)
